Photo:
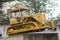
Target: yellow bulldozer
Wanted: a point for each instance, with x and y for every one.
(23, 23)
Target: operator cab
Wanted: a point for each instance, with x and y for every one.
(15, 15)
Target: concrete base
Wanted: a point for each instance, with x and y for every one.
(41, 37)
(46, 35)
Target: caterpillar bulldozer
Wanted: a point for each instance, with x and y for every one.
(24, 23)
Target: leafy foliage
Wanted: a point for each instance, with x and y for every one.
(40, 5)
(2, 15)
(2, 1)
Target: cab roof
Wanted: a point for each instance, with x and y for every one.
(16, 10)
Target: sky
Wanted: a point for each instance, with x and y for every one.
(55, 13)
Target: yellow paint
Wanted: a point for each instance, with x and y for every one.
(29, 23)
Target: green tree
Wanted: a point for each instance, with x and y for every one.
(2, 1)
(40, 5)
(2, 15)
